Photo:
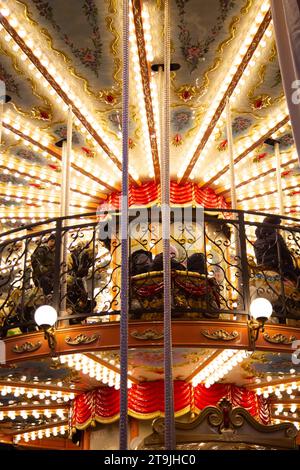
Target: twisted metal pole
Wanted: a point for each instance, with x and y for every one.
(165, 199)
(123, 429)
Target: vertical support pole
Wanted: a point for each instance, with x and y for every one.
(278, 178)
(65, 207)
(170, 442)
(231, 155)
(236, 234)
(124, 237)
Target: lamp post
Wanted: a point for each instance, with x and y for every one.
(45, 317)
(260, 311)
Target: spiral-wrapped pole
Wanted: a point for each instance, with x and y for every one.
(124, 236)
(165, 199)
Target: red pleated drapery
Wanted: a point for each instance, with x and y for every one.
(188, 193)
(146, 401)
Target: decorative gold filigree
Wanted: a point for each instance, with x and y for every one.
(273, 53)
(247, 7)
(278, 338)
(221, 335)
(112, 6)
(81, 339)
(263, 100)
(147, 334)
(114, 45)
(26, 347)
(232, 31)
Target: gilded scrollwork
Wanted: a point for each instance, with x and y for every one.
(26, 347)
(81, 339)
(221, 335)
(147, 334)
(278, 338)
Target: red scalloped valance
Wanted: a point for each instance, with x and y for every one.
(188, 193)
(146, 401)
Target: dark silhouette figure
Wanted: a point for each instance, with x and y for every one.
(271, 250)
(42, 262)
(196, 263)
(140, 262)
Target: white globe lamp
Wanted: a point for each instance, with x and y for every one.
(45, 316)
(261, 309)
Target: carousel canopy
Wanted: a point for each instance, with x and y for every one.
(56, 54)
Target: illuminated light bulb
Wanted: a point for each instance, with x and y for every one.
(5, 12)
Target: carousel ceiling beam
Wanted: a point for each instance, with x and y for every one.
(106, 364)
(44, 176)
(290, 419)
(267, 193)
(41, 201)
(146, 78)
(250, 149)
(26, 385)
(39, 407)
(255, 178)
(272, 383)
(54, 152)
(29, 429)
(227, 94)
(275, 402)
(29, 176)
(77, 110)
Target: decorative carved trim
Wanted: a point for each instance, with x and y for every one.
(81, 339)
(147, 334)
(26, 347)
(279, 338)
(221, 335)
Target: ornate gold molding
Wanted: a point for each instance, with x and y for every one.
(147, 334)
(81, 339)
(221, 335)
(26, 347)
(278, 338)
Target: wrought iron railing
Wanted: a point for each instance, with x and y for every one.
(222, 260)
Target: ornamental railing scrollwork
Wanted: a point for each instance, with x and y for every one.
(220, 261)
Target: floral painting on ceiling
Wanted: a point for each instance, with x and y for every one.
(263, 364)
(89, 49)
(181, 119)
(195, 42)
(30, 156)
(61, 132)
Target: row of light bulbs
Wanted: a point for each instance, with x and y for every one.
(289, 388)
(62, 83)
(48, 432)
(55, 75)
(247, 143)
(280, 408)
(36, 392)
(77, 178)
(222, 120)
(95, 370)
(136, 70)
(219, 367)
(13, 414)
(220, 95)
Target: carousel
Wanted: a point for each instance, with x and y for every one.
(149, 227)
